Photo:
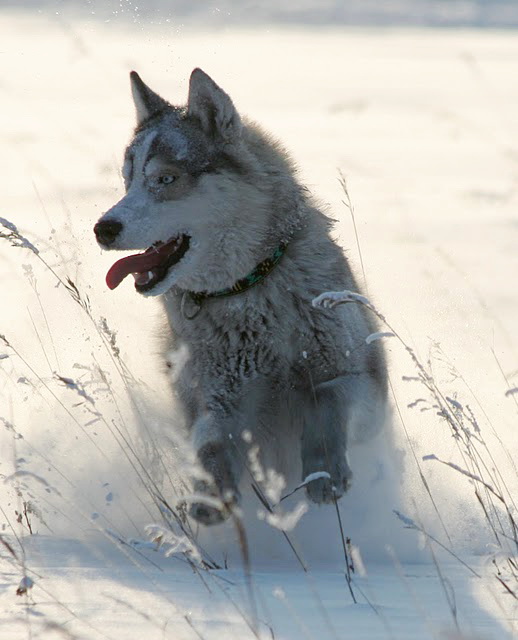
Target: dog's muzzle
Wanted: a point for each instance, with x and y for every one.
(106, 231)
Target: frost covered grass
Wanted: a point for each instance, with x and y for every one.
(93, 533)
(162, 526)
(34, 504)
(119, 429)
(494, 493)
(493, 488)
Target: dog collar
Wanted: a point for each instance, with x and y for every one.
(257, 275)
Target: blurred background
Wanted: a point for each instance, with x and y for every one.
(448, 13)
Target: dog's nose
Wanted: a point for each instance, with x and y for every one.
(106, 231)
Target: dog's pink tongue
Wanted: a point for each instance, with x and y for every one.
(139, 263)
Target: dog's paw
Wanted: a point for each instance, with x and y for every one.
(207, 514)
(326, 489)
(215, 508)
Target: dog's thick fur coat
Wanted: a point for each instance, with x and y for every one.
(213, 196)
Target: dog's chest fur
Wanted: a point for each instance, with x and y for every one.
(269, 332)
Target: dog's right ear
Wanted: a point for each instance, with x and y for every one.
(147, 102)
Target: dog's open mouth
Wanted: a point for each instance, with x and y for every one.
(151, 267)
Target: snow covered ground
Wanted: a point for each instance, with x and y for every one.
(423, 124)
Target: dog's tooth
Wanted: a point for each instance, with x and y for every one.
(143, 278)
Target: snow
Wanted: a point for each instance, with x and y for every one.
(423, 125)
(222, 13)
(378, 335)
(313, 476)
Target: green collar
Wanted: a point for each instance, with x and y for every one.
(257, 275)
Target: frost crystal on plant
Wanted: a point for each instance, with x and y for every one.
(15, 237)
(330, 299)
(274, 485)
(289, 520)
(25, 585)
(171, 542)
(378, 335)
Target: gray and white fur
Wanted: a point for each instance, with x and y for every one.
(264, 361)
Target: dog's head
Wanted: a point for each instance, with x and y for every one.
(189, 194)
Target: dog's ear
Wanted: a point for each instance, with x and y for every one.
(147, 102)
(213, 108)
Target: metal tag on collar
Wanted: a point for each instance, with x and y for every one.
(189, 307)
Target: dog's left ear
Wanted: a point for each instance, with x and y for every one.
(213, 108)
(147, 102)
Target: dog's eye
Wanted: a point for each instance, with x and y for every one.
(165, 180)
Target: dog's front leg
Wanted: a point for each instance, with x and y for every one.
(324, 440)
(216, 441)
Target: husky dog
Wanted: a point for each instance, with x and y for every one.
(238, 249)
